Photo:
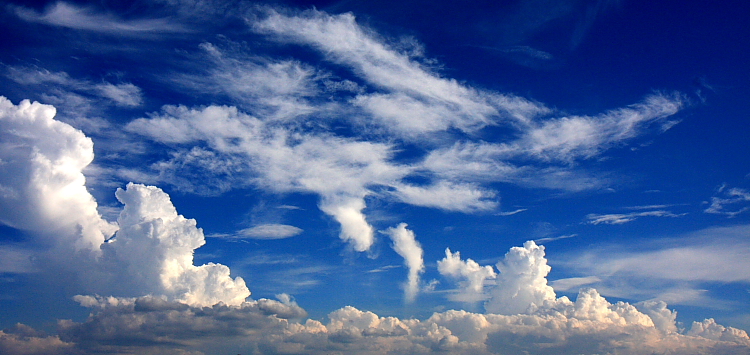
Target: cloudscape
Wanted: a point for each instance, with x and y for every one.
(353, 177)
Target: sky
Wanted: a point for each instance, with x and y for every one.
(359, 177)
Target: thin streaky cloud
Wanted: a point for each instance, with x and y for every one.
(552, 239)
(621, 218)
(71, 16)
(510, 213)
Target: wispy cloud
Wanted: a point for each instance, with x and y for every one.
(621, 218)
(510, 213)
(552, 239)
(72, 16)
(729, 201)
(682, 264)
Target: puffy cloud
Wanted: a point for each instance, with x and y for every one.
(152, 253)
(24, 340)
(406, 245)
(472, 288)
(522, 283)
(591, 325)
(43, 189)
(44, 193)
(165, 325)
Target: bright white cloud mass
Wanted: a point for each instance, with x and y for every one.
(315, 147)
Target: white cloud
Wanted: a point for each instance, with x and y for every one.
(729, 202)
(268, 231)
(152, 253)
(552, 239)
(127, 94)
(668, 269)
(448, 196)
(152, 248)
(419, 101)
(521, 286)
(282, 160)
(44, 189)
(398, 99)
(475, 277)
(589, 325)
(79, 101)
(406, 245)
(568, 138)
(279, 89)
(621, 218)
(71, 16)
(573, 283)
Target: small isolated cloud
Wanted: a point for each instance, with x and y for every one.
(268, 231)
(621, 218)
(551, 239)
(510, 213)
(127, 95)
(406, 245)
(729, 201)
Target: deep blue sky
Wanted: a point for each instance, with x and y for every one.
(301, 135)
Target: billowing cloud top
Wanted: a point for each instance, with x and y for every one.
(369, 122)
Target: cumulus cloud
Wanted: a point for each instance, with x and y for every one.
(590, 325)
(522, 282)
(24, 340)
(406, 245)
(472, 277)
(154, 247)
(43, 188)
(148, 251)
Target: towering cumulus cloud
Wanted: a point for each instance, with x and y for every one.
(42, 188)
(154, 247)
(44, 193)
(522, 283)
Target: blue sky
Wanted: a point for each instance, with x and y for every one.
(374, 177)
